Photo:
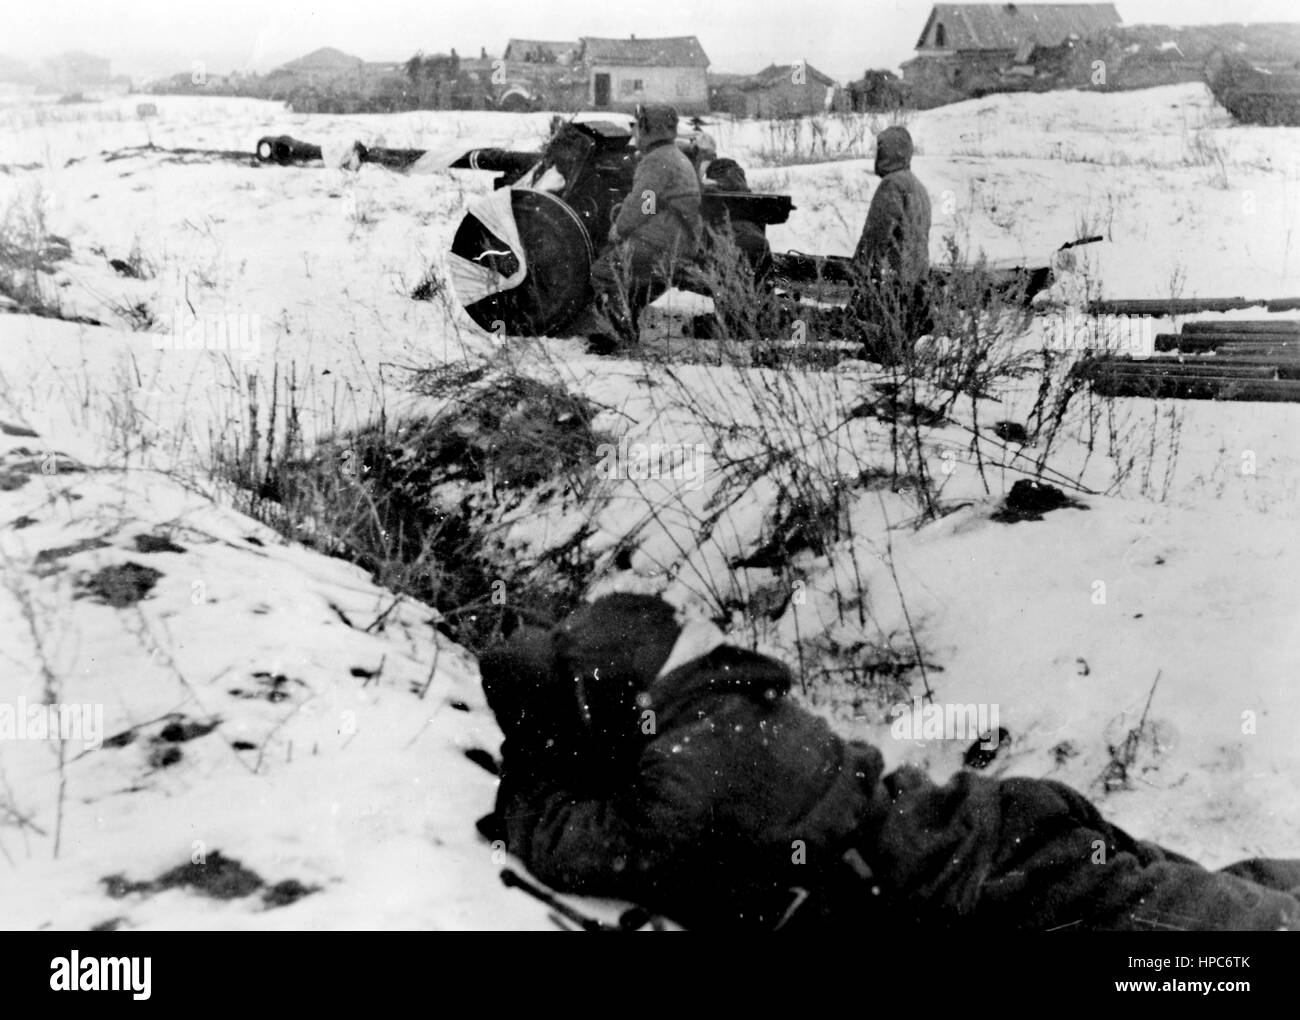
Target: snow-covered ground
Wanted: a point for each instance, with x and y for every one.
(341, 716)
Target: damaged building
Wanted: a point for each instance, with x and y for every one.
(969, 49)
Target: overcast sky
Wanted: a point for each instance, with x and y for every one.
(841, 37)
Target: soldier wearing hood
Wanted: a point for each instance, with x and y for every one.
(896, 235)
(648, 760)
(893, 253)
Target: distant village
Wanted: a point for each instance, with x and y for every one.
(962, 51)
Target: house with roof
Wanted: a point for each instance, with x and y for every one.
(967, 49)
(784, 90)
(624, 72)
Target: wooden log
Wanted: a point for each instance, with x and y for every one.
(1272, 348)
(1257, 390)
(1200, 378)
(1219, 341)
(1237, 327)
(1171, 306)
(1278, 350)
(1166, 342)
(1156, 387)
(1171, 370)
(1286, 362)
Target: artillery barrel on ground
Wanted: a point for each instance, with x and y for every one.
(284, 150)
(502, 161)
(394, 159)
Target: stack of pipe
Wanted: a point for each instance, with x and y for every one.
(1219, 360)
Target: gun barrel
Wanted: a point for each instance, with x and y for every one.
(497, 160)
(283, 149)
(753, 206)
(394, 159)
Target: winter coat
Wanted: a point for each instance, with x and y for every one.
(661, 214)
(1034, 854)
(896, 235)
(735, 799)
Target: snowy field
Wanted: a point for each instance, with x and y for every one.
(276, 707)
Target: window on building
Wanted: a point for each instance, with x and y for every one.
(630, 86)
(940, 35)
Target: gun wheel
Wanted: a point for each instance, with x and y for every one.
(557, 252)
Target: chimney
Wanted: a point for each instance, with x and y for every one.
(634, 37)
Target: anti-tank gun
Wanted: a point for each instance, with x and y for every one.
(521, 258)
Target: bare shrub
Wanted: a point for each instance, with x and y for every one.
(418, 500)
(28, 253)
(820, 138)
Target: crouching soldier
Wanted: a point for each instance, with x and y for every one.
(893, 254)
(725, 174)
(650, 761)
(656, 229)
(736, 257)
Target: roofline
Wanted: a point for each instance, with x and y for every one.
(571, 44)
(934, 10)
(756, 80)
(583, 40)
